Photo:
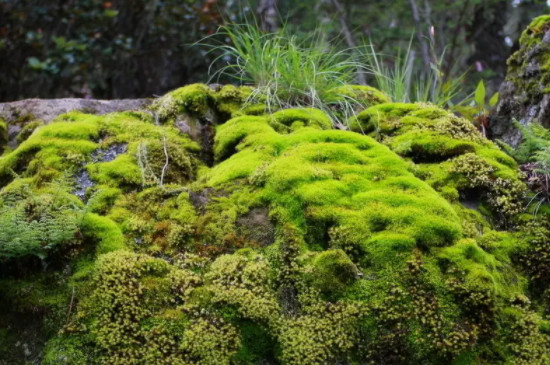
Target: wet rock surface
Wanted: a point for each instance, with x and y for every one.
(83, 180)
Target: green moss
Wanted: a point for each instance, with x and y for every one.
(193, 99)
(292, 119)
(27, 130)
(102, 199)
(132, 316)
(437, 142)
(230, 100)
(535, 31)
(3, 135)
(103, 232)
(529, 66)
(333, 271)
(481, 269)
(365, 95)
(122, 171)
(67, 350)
(382, 247)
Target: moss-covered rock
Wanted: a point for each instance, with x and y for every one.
(270, 237)
(525, 94)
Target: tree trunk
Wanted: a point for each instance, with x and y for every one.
(267, 14)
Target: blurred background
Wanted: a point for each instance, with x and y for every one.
(143, 48)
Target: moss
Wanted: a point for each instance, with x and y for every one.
(231, 100)
(292, 119)
(3, 135)
(437, 142)
(383, 248)
(333, 271)
(102, 199)
(67, 350)
(535, 30)
(193, 99)
(528, 67)
(123, 171)
(27, 130)
(365, 95)
(133, 302)
(480, 269)
(103, 232)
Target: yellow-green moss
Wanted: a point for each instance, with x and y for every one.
(103, 231)
(291, 119)
(192, 99)
(533, 55)
(333, 271)
(438, 141)
(364, 95)
(3, 135)
(382, 247)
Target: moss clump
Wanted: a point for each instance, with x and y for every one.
(103, 231)
(291, 119)
(193, 99)
(333, 271)
(364, 95)
(449, 153)
(132, 317)
(232, 100)
(27, 130)
(3, 135)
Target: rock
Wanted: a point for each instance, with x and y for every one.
(48, 109)
(525, 94)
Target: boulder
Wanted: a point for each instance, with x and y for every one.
(525, 93)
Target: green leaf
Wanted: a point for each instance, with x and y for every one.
(479, 95)
(35, 63)
(110, 13)
(494, 99)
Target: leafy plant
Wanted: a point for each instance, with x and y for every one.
(34, 224)
(287, 71)
(535, 138)
(534, 154)
(478, 110)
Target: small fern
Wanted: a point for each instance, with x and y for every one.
(535, 138)
(34, 224)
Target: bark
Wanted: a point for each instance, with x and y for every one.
(424, 47)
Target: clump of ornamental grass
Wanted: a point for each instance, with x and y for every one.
(287, 71)
(397, 77)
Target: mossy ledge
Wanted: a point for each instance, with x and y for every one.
(212, 232)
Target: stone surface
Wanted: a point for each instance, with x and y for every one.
(48, 109)
(525, 94)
